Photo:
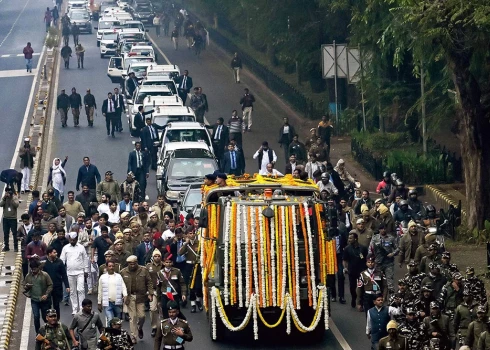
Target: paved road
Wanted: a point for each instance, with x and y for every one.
(213, 74)
(15, 82)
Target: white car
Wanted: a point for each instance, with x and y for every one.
(171, 70)
(78, 4)
(106, 25)
(108, 44)
(123, 4)
(134, 24)
(138, 68)
(117, 67)
(160, 80)
(143, 50)
(186, 132)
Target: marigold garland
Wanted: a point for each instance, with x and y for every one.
(307, 254)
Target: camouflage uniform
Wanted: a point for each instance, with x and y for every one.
(59, 335)
(116, 339)
(476, 286)
(416, 334)
(450, 298)
(463, 316)
(447, 269)
(414, 278)
(402, 299)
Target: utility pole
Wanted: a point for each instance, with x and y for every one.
(335, 84)
(422, 93)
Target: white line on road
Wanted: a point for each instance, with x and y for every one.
(340, 338)
(15, 22)
(159, 50)
(16, 73)
(18, 54)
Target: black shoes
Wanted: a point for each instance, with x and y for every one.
(140, 333)
(5, 249)
(199, 305)
(342, 300)
(153, 332)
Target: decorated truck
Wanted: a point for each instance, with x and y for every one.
(265, 256)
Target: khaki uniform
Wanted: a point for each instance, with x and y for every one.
(103, 269)
(166, 336)
(398, 343)
(172, 281)
(139, 286)
(369, 285)
(190, 250)
(111, 187)
(160, 211)
(405, 246)
(364, 237)
(120, 257)
(153, 270)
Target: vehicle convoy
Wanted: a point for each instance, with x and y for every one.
(265, 256)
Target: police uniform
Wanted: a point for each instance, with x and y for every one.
(448, 269)
(392, 341)
(414, 331)
(475, 329)
(370, 284)
(402, 299)
(414, 280)
(58, 335)
(103, 268)
(382, 246)
(171, 282)
(463, 316)
(450, 298)
(191, 252)
(117, 339)
(153, 270)
(440, 325)
(165, 334)
(476, 286)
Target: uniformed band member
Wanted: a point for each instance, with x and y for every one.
(153, 268)
(393, 341)
(190, 249)
(171, 284)
(371, 283)
(174, 331)
(114, 337)
(54, 334)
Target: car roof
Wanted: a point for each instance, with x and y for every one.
(158, 78)
(175, 110)
(166, 67)
(163, 100)
(146, 47)
(144, 88)
(131, 30)
(185, 125)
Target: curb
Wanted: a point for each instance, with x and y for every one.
(442, 199)
(12, 303)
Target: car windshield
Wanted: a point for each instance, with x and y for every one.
(193, 197)
(165, 119)
(130, 61)
(181, 168)
(106, 25)
(132, 36)
(78, 15)
(134, 25)
(195, 135)
(169, 84)
(109, 36)
(142, 95)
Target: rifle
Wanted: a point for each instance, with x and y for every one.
(105, 340)
(48, 343)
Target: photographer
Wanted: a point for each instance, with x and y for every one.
(9, 203)
(86, 322)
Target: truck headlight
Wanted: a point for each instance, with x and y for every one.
(173, 194)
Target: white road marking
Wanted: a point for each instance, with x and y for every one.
(15, 22)
(159, 50)
(340, 338)
(28, 311)
(16, 73)
(19, 54)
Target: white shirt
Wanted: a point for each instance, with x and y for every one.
(285, 129)
(310, 168)
(75, 259)
(293, 166)
(391, 311)
(274, 173)
(113, 216)
(168, 234)
(265, 158)
(217, 135)
(329, 187)
(103, 208)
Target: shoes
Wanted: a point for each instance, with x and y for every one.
(353, 303)
(63, 125)
(89, 292)
(193, 309)
(126, 317)
(113, 136)
(67, 303)
(108, 133)
(342, 300)
(5, 249)
(153, 332)
(140, 333)
(333, 300)
(184, 304)
(199, 305)
(21, 192)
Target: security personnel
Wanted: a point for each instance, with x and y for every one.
(452, 295)
(53, 333)
(414, 278)
(476, 328)
(447, 269)
(432, 257)
(385, 248)
(464, 314)
(371, 282)
(403, 299)
(190, 249)
(414, 330)
(108, 257)
(476, 286)
(393, 340)
(484, 340)
(174, 331)
(172, 285)
(114, 337)
(439, 326)
(153, 268)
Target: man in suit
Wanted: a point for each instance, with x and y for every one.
(220, 138)
(109, 112)
(232, 162)
(139, 164)
(119, 103)
(286, 134)
(149, 135)
(241, 154)
(144, 248)
(139, 120)
(184, 85)
(131, 84)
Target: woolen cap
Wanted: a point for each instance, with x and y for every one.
(132, 258)
(109, 252)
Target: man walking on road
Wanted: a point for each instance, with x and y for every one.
(28, 51)
(109, 112)
(149, 135)
(236, 65)
(75, 258)
(47, 18)
(90, 107)
(76, 105)
(88, 175)
(26, 154)
(86, 322)
(174, 36)
(120, 107)
(247, 102)
(9, 203)
(56, 270)
(66, 54)
(286, 134)
(62, 105)
(184, 85)
(197, 105)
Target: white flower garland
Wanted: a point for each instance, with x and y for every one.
(247, 251)
(255, 325)
(254, 252)
(312, 256)
(228, 325)
(239, 253)
(262, 260)
(213, 311)
(298, 323)
(296, 259)
(227, 252)
(288, 315)
(273, 261)
(284, 258)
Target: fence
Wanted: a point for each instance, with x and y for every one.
(440, 166)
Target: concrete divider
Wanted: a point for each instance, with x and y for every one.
(441, 199)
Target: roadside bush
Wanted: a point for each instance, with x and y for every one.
(52, 38)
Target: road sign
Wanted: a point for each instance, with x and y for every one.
(334, 61)
(353, 65)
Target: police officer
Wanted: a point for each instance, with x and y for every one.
(438, 326)
(393, 340)
(53, 335)
(447, 268)
(385, 248)
(432, 257)
(174, 331)
(435, 280)
(464, 314)
(371, 282)
(114, 337)
(414, 278)
(414, 330)
(171, 284)
(476, 286)
(452, 295)
(153, 268)
(108, 257)
(476, 328)
(192, 269)
(403, 299)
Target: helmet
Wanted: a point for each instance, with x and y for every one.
(412, 191)
(386, 174)
(399, 182)
(431, 211)
(403, 202)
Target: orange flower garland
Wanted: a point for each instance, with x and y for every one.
(307, 253)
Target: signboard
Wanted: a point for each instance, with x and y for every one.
(334, 61)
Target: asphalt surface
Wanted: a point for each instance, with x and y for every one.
(15, 82)
(211, 72)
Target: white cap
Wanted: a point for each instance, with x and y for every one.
(360, 221)
(27, 139)
(73, 235)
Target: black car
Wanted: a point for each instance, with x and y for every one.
(143, 11)
(181, 168)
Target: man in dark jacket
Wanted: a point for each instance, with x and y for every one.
(120, 108)
(76, 105)
(236, 65)
(131, 84)
(62, 105)
(232, 162)
(220, 138)
(90, 107)
(139, 121)
(88, 174)
(184, 85)
(55, 268)
(139, 165)
(149, 135)
(286, 134)
(336, 180)
(88, 199)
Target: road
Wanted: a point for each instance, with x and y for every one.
(212, 72)
(15, 82)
